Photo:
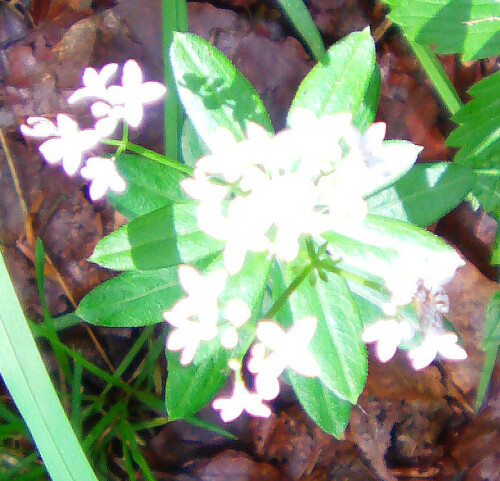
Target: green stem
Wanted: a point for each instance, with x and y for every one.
(150, 154)
(175, 18)
(437, 75)
(288, 291)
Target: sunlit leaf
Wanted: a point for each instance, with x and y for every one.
(469, 27)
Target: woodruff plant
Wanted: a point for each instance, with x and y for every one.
(279, 254)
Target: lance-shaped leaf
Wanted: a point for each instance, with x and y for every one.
(213, 92)
(425, 194)
(150, 185)
(326, 409)
(336, 344)
(136, 298)
(470, 27)
(380, 245)
(165, 237)
(345, 80)
(191, 387)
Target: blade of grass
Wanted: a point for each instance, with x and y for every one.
(103, 424)
(145, 335)
(437, 76)
(301, 19)
(26, 378)
(76, 400)
(129, 436)
(175, 18)
(52, 336)
(484, 382)
(149, 399)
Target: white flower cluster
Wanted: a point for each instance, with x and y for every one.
(200, 317)
(67, 143)
(431, 302)
(263, 193)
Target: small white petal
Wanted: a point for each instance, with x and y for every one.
(229, 338)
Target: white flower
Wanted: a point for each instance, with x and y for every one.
(241, 400)
(388, 334)
(202, 295)
(237, 313)
(432, 273)
(243, 228)
(187, 336)
(434, 344)
(130, 97)
(94, 83)
(289, 349)
(201, 304)
(69, 142)
(103, 174)
(385, 161)
(38, 127)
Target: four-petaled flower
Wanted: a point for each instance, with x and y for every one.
(388, 334)
(103, 174)
(241, 400)
(95, 83)
(289, 349)
(435, 343)
(129, 97)
(68, 144)
(195, 316)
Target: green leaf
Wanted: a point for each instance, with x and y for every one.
(132, 299)
(165, 237)
(192, 146)
(327, 410)
(425, 194)
(367, 110)
(470, 27)
(301, 19)
(381, 245)
(214, 93)
(28, 382)
(150, 185)
(337, 344)
(342, 79)
(189, 388)
(478, 138)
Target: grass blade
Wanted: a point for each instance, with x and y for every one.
(29, 384)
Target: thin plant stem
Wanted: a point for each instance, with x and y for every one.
(150, 154)
(175, 18)
(28, 227)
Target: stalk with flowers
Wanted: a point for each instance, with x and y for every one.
(272, 257)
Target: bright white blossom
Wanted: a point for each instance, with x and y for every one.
(95, 83)
(103, 175)
(187, 336)
(202, 294)
(289, 349)
(262, 194)
(69, 142)
(195, 316)
(445, 344)
(388, 335)
(433, 273)
(241, 400)
(128, 98)
(237, 313)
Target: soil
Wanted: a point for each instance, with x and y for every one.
(407, 425)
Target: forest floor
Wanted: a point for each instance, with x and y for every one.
(407, 425)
